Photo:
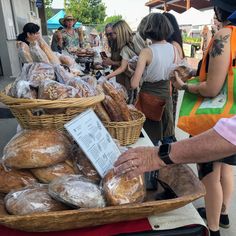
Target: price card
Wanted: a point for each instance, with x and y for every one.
(95, 141)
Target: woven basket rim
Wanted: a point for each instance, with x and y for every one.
(31, 103)
(141, 119)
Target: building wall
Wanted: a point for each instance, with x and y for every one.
(18, 13)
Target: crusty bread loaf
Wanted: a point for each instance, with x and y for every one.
(119, 100)
(47, 174)
(112, 109)
(31, 199)
(120, 190)
(76, 191)
(84, 166)
(101, 112)
(36, 148)
(14, 179)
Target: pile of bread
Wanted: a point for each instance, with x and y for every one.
(42, 170)
(85, 52)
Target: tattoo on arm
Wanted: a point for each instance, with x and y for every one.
(218, 45)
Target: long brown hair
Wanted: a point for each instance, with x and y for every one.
(124, 34)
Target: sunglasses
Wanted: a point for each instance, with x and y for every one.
(109, 34)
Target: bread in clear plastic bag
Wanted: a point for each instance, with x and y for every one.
(32, 199)
(66, 60)
(15, 179)
(24, 52)
(37, 54)
(185, 72)
(36, 148)
(77, 191)
(22, 89)
(84, 88)
(47, 174)
(91, 80)
(53, 59)
(84, 166)
(62, 75)
(38, 72)
(120, 190)
(53, 90)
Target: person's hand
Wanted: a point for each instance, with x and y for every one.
(59, 35)
(177, 81)
(106, 61)
(136, 161)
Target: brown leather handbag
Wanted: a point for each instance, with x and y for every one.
(151, 105)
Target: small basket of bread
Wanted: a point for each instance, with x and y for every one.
(47, 96)
(124, 123)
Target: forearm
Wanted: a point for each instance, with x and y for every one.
(205, 147)
(201, 89)
(116, 72)
(115, 63)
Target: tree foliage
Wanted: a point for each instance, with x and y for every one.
(113, 19)
(89, 12)
(48, 8)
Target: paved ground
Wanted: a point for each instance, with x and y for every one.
(8, 129)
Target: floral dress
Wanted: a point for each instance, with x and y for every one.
(70, 40)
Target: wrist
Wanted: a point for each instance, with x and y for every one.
(164, 153)
(185, 87)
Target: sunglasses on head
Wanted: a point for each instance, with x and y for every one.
(109, 34)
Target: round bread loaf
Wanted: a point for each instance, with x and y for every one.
(14, 179)
(120, 190)
(47, 174)
(36, 148)
(31, 199)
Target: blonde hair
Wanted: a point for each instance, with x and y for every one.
(124, 34)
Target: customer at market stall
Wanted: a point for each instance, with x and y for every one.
(217, 176)
(30, 33)
(94, 38)
(54, 44)
(158, 60)
(68, 38)
(176, 40)
(115, 60)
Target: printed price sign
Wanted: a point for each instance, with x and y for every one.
(95, 141)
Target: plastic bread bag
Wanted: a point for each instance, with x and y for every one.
(84, 166)
(39, 72)
(36, 148)
(53, 59)
(24, 52)
(66, 60)
(132, 63)
(184, 71)
(31, 199)
(120, 89)
(14, 179)
(47, 174)
(62, 76)
(37, 54)
(119, 190)
(77, 191)
(91, 80)
(53, 90)
(84, 88)
(22, 89)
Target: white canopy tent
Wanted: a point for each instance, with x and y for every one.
(194, 17)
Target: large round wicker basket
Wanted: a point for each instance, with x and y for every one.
(29, 114)
(127, 132)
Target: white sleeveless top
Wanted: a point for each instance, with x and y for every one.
(163, 56)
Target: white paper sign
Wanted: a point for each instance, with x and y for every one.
(95, 141)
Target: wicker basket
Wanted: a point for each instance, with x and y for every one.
(127, 132)
(181, 180)
(59, 111)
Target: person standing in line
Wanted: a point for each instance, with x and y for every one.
(216, 176)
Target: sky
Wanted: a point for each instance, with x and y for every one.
(131, 10)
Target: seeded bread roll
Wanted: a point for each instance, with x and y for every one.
(36, 148)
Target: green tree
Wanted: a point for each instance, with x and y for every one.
(48, 8)
(112, 19)
(89, 12)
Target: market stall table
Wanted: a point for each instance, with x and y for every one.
(182, 221)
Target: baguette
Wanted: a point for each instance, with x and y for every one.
(101, 112)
